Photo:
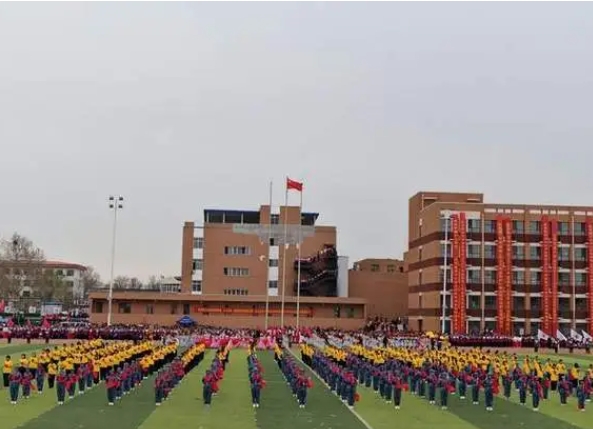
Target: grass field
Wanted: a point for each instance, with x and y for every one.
(232, 409)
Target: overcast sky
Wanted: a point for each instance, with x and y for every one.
(185, 106)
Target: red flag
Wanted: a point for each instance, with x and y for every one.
(45, 324)
(2, 306)
(293, 184)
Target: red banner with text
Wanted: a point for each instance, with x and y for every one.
(507, 323)
(463, 272)
(500, 242)
(456, 274)
(590, 274)
(554, 276)
(545, 251)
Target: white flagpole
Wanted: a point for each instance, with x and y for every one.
(285, 243)
(300, 240)
(267, 260)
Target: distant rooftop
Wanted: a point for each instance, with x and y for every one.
(248, 217)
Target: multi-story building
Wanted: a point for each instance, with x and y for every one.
(27, 273)
(384, 285)
(235, 262)
(510, 268)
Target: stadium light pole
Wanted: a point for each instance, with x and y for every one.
(115, 204)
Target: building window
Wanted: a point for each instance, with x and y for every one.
(124, 307)
(535, 302)
(581, 304)
(536, 277)
(97, 307)
(490, 251)
(580, 279)
(58, 273)
(275, 219)
(535, 253)
(534, 227)
(519, 302)
(237, 250)
(186, 309)
(70, 273)
(198, 264)
(564, 304)
(420, 277)
(518, 277)
(473, 225)
(420, 303)
(446, 224)
(375, 267)
(391, 268)
(563, 278)
(273, 284)
(149, 309)
(490, 277)
(563, 254)
(518, 227)
(474, 302)
(473, 276)
(580, 254)
(196, 286)
(519, 252)
(241, 292)
(490, 302)
(174, 308)
(272, 262)
(579, 228)
(473, 251)
(273, 242)
(198, 242)
(236, 272)
(489, 226)
(563, 228)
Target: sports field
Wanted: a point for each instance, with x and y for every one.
(232, 409)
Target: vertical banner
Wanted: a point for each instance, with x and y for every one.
(590, 274)
(554, 276)
(499, 274)
(545, 307)
(463, 269)
(508, 281)
(456, 275)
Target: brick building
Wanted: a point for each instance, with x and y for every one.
(233, 259)
(506, 267)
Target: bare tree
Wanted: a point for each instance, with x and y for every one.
(90, 280)
(51, 287)
(121, 283)
(22, 264)
(135, 283)
(153, 283)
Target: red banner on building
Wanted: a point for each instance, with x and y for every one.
(508, 289)
(545, 250)
(500, 243)
(463, 272)
(456, 274)
(554, 276)
(590, 274)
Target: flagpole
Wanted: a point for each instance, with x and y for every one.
(266, 323)
(285, 243)
(300, 242)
